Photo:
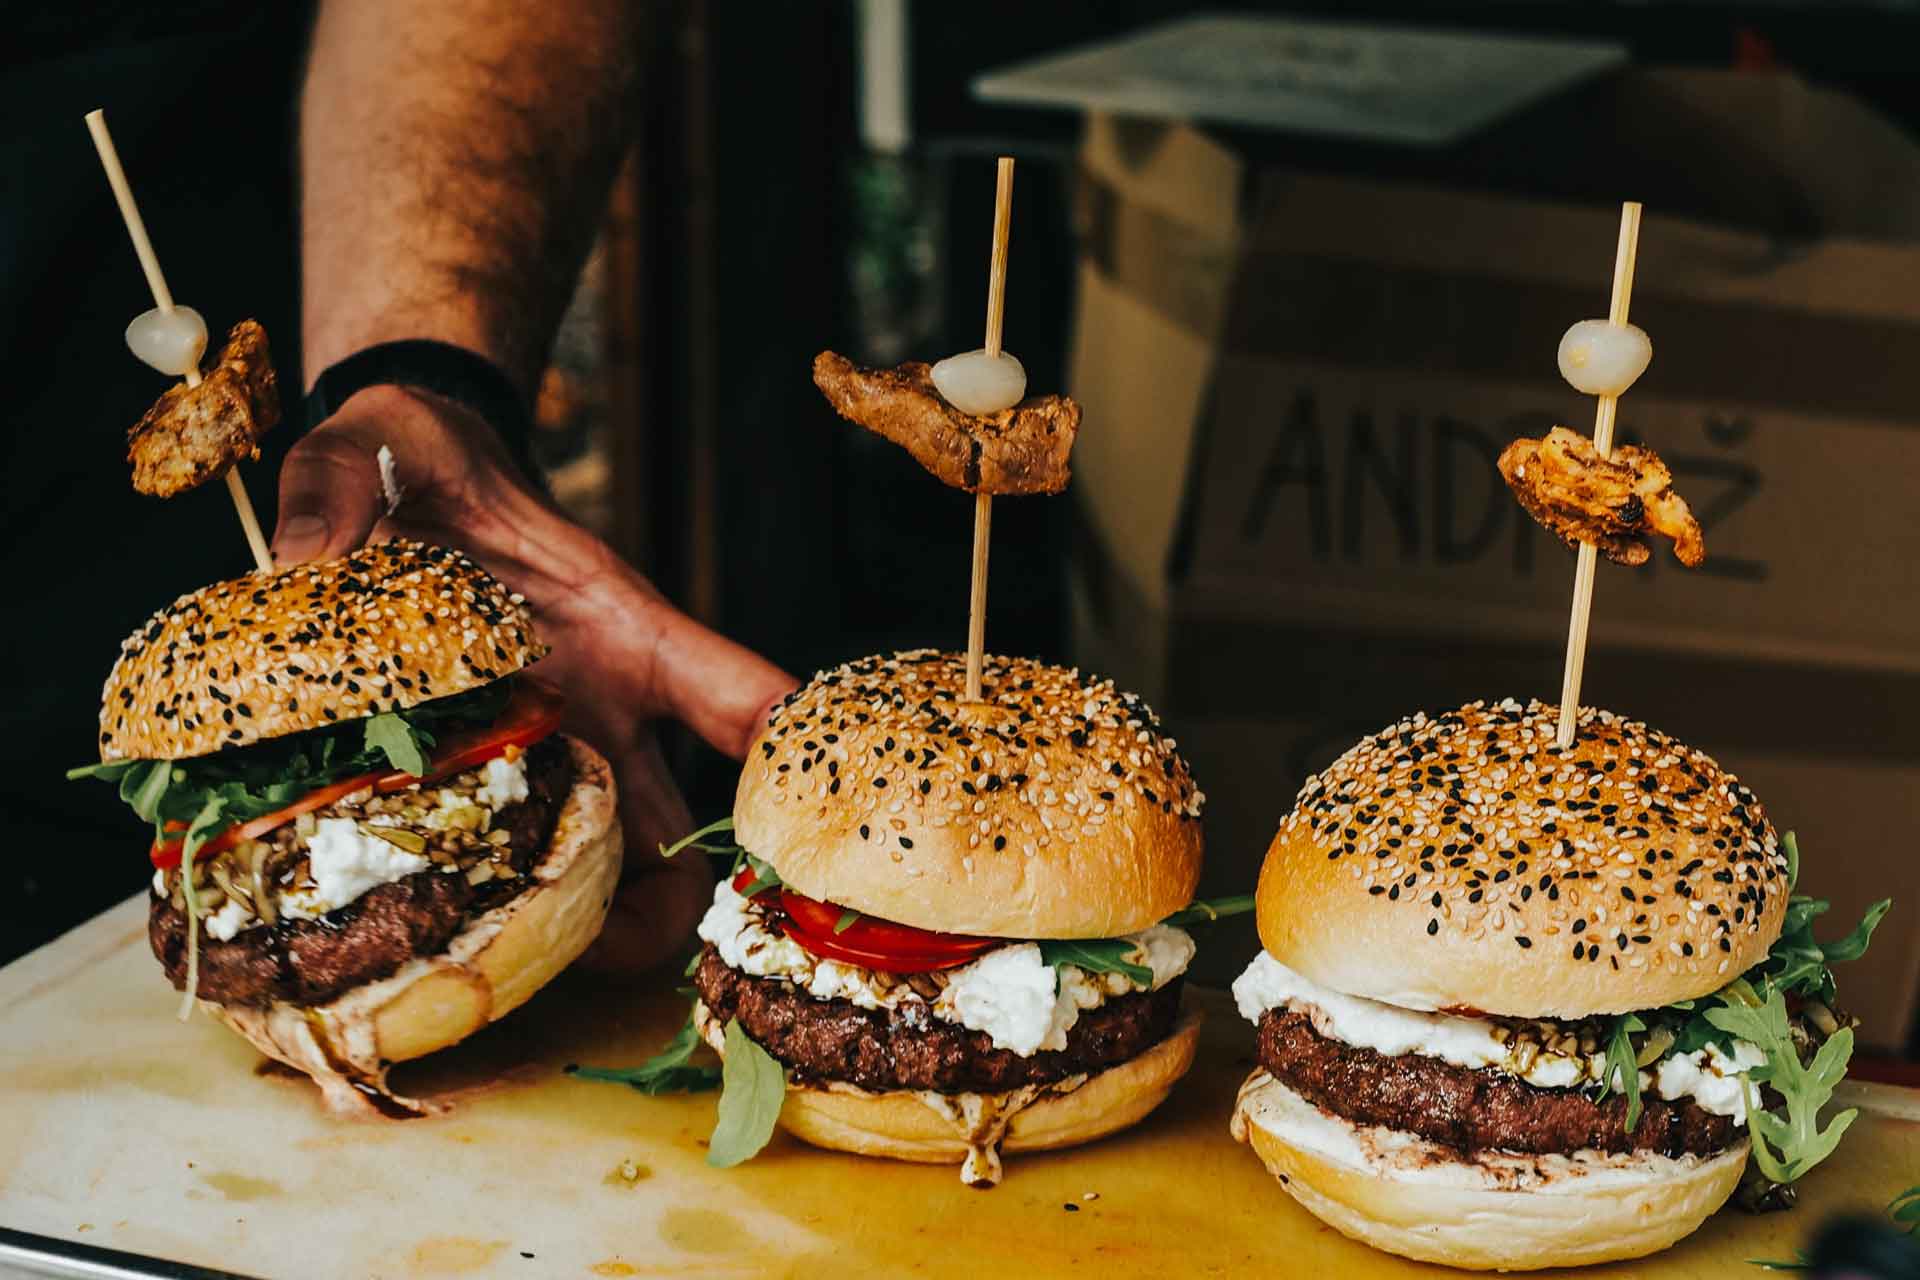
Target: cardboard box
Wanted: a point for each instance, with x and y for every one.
(1295, 385)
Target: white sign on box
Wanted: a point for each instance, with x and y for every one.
(1380, 84)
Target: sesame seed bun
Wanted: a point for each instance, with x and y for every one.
(1464, 862)
(1500, 1211)
(390, 626)
(900, 1124)
(490, 968)
(1052, 808)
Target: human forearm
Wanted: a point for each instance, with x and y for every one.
(454, 158)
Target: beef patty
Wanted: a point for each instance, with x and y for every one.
(906, 1048)
(1474, 1110)
(311, 961)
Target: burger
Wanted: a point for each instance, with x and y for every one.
(952, 928)
(1522, 1006)
(369, 837)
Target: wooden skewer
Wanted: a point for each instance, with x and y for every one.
(163, 298)
(1603, 443)
(983, 502)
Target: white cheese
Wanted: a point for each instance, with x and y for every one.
(1709, 1077)
(231, 918)
(502, 782)
(346, 862)
(1011, 994)
(1022, 1003)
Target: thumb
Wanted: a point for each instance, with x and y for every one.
(330, 494)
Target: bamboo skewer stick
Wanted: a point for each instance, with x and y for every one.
(1603, 419)
(163, 298)
(983, 502)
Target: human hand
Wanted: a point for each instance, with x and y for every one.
(624, 656)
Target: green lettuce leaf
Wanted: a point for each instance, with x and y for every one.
(754, 1087)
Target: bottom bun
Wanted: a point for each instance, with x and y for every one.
(1509, 1212)
(490, 968)
(970, 1129)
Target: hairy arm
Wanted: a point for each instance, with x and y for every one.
(455, 157)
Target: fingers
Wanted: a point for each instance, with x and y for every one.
(719, 689)
(330, 495)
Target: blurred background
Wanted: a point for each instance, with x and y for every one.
(1306, 267)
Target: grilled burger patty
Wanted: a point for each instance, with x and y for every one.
(1474, 1110)
(311, 961)
(895, 1049)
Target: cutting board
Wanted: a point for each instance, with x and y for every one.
(121, 1127)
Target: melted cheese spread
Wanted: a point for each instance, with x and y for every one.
(1708, 1076)
(1011, 993)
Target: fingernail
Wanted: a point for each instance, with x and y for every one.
(300, 538)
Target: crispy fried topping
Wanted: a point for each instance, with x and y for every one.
(1611, 502)
(193, 434)
(1019, 450)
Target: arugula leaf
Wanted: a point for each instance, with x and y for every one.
(764, 878)
(1802, 1261)
(693, 964)
(669, 1071)
(1786, 1145)
(754, 1087)
(1854, 945)
(1200, 911)
(264, 777)
(1905, 1209)
(846, 921)
(698, 842)
(1623, 1066)
(1097, 955)
(147, 790)
(404, 746)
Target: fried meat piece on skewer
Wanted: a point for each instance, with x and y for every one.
(193, 434)
(1019, 450)
(1611, 502)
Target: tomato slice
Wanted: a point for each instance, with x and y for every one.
(822, 919)
(532, 716)
(828, 947)
(867, 942)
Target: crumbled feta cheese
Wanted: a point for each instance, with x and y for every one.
(347, 862)
(1709, 1076)
(230, 919)
(502, 782)
(1010, 992)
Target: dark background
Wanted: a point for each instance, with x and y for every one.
(751, 229)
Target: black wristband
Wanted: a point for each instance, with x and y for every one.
(462, 376)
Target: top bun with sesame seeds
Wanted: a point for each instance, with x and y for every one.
(1052, 808)
(390, 626)
(1464, 862)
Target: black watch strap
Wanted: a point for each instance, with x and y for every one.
(465, 377)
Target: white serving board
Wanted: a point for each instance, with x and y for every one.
(123, 1129)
